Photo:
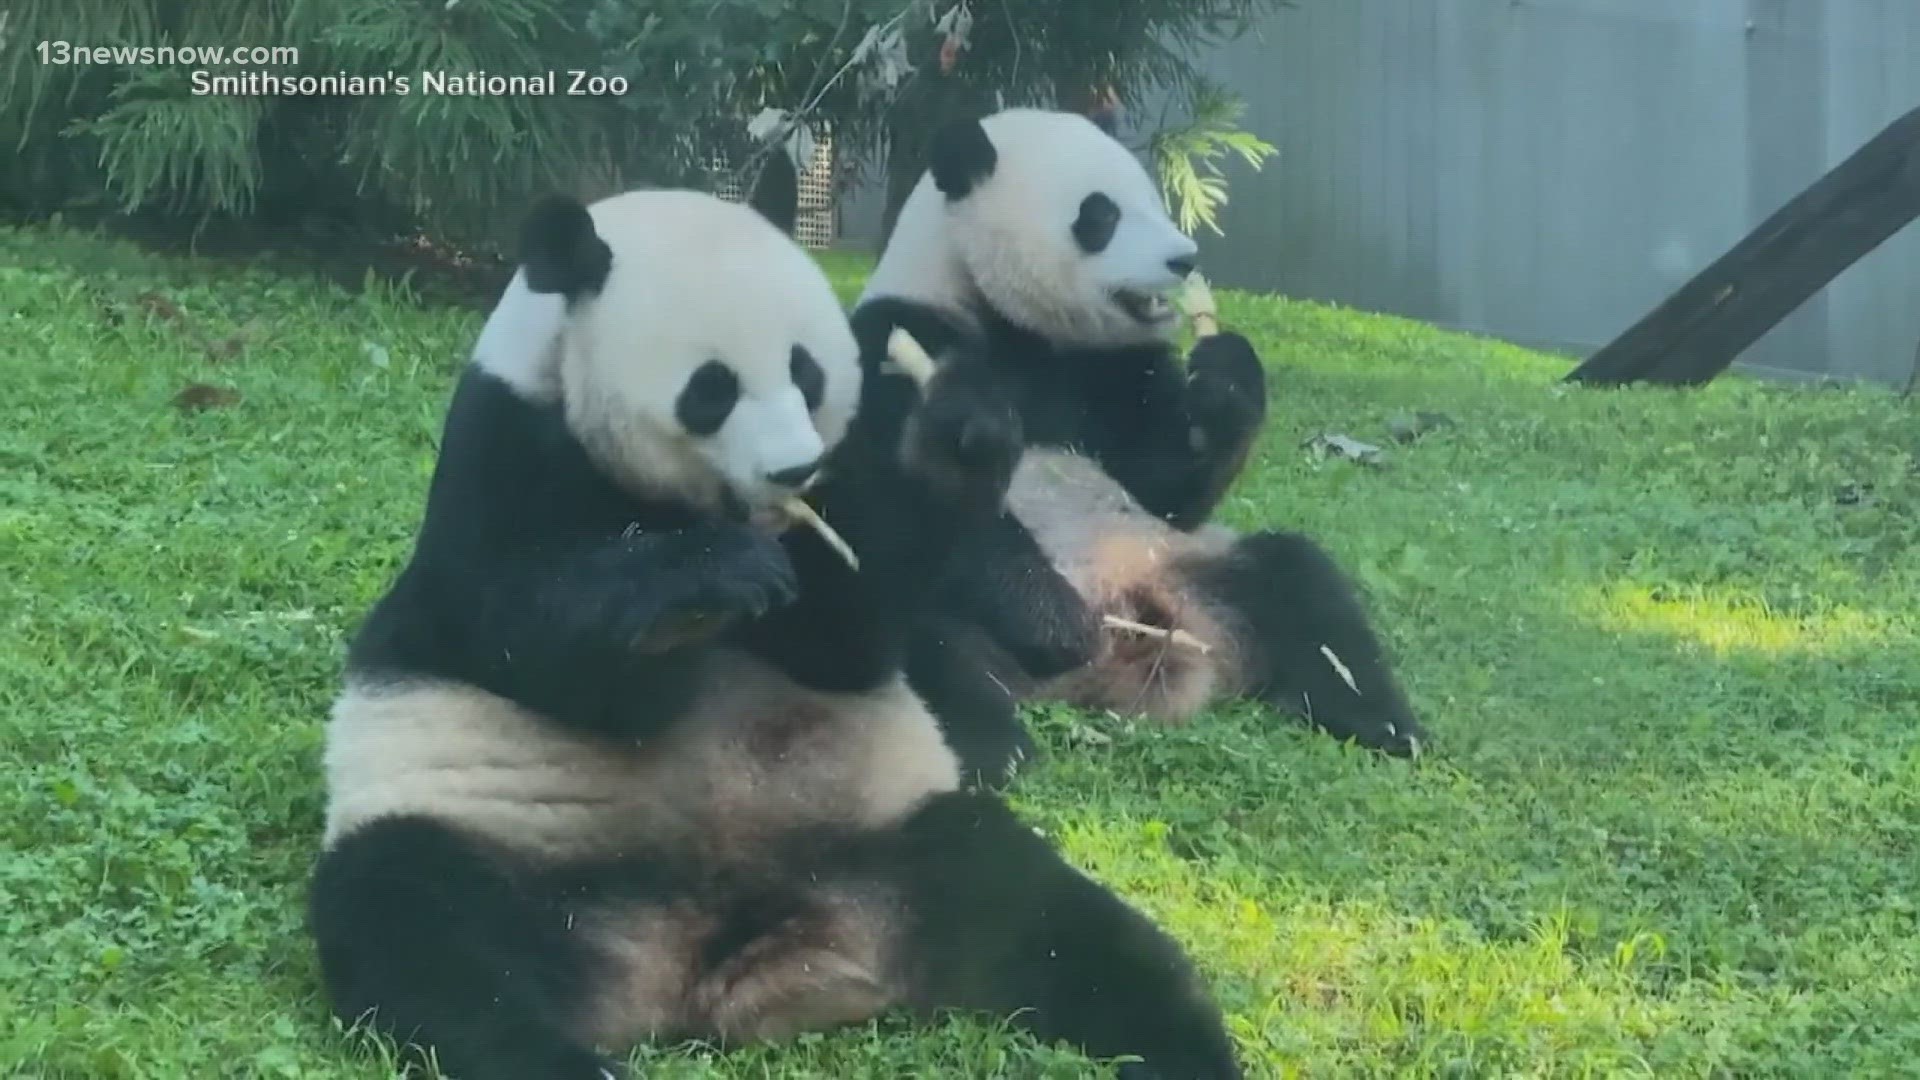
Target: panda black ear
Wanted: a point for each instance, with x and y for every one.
(560, 250)
(960, 157)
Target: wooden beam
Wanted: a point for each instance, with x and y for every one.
(1708, 322)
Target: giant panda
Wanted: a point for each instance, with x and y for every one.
(1038, 242)
(617, 758)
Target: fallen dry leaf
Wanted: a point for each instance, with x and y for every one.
(159, 305)
(1409, 427)
(1347, 447)
(235, 343)
(1080, 734)
(199, 397)
(226, 348)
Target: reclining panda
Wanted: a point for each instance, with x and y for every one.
(1037, 241)
(618, 759)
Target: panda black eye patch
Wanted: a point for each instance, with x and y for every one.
(806, 374)
(1099, 217)
(708, 398)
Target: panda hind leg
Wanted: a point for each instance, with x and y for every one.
(421, 932)
(997, 922)
(1309, 647)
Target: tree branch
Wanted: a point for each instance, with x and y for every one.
(749, 172)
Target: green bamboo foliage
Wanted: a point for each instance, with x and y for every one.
(133, 137)
(1187, 156)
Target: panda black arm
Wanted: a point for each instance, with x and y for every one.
(1175, 439)
(1007, 586)
(1004, 583)
(534, 577)
(912, 483)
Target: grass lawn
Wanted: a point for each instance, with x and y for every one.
(1668, 644)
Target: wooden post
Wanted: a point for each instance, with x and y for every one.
(1700, 330)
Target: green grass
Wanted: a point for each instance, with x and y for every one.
(1671, 823)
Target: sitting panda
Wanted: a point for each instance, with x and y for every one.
(619, 759)
(1039, 247)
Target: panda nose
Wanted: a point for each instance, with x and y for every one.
(797, 476)
(1181, 265)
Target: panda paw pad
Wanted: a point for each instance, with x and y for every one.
(718, 578)
(967, 443)
(1226, 386)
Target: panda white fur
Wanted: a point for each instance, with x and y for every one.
(1038, 247)
(617, 761)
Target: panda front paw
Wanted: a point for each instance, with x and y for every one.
(965, 441)
(705, 581)
(1226, 390)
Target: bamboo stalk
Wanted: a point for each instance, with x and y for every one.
(907, 355)
(1174, 637)
(1197, 300)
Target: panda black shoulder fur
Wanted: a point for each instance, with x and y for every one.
(615, 761)
(1039, 244)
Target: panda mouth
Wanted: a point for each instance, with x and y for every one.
(1145, 308)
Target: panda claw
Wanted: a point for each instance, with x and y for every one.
(720, 578)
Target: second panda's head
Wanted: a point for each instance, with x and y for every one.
(698, 353)
(1049, 221)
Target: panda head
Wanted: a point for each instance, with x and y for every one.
(1048, 220)
(697, 352)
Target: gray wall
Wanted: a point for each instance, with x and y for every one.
(1548, 170)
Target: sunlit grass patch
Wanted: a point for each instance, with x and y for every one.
(1724, 623)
